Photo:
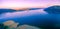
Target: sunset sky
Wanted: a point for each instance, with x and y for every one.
(27, 3)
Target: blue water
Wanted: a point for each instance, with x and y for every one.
(34, 20)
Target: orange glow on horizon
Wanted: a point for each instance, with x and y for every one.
(25, 7)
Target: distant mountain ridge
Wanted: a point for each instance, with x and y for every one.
(34, 8)
(12, 10)
(6, 10)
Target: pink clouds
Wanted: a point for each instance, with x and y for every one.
(28, 3)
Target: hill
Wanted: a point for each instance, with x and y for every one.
(6, 10)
